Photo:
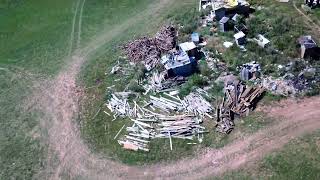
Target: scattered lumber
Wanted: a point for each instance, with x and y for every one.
(119, 107)
(194, 103)
(144, 130)
(238, 100)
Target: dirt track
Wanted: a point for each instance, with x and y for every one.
(70, 156)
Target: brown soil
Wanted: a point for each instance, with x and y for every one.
(70, 157)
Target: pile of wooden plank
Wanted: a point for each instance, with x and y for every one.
(181, 127)
(145, 129)
(139, 135)
(194, 103)
(238, 100)
(119, 107)
(166, 104)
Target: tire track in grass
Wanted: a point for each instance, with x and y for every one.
(80, 23)
(58, 100)
(73, 28)
(314, 27)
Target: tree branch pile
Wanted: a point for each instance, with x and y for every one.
(148, 50)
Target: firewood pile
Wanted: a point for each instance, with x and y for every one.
(143, 50)
(148, 50)
(238, 100)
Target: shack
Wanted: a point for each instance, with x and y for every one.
(190, 49)
(262, 41)
(309, 48)
(224, 24)
(179, 64)
(240, 38)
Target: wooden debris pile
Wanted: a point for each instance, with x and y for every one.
(182, 119)
(148, 50)
(119, 107)
(158, 82)
(194, 103)
(147, 128)
(166, 38)
(143, 50)
(238, 100)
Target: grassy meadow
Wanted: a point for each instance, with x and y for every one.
(300, 159)
(35, 38)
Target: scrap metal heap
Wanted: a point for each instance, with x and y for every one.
(148, 50)
(238, 100)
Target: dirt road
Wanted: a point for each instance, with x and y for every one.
(70, 157)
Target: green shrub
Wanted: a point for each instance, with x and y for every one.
(193, 81)
(135, 87)
(204, 69)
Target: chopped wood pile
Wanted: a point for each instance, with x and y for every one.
(238, 100)
(148, 50)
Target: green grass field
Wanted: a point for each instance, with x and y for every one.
(34, 41)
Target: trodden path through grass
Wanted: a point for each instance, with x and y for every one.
(70, 156)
